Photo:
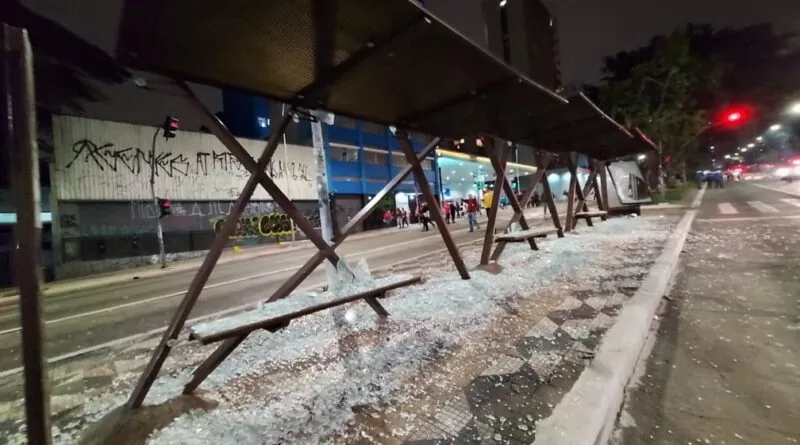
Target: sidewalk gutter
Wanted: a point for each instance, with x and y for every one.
(587, 413)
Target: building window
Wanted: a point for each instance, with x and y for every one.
(375, 158)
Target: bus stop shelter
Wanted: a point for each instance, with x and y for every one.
(389, 62)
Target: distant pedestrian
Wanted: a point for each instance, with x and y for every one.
(472, 210)
(424, 217)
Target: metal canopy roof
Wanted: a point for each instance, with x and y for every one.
(584, 128)
(388, 61)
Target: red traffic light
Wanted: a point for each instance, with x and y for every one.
(734, 116)
(170, 127)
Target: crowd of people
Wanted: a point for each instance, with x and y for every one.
(452, 210)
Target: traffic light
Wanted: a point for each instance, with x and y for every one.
(734, 116)
(171, 126)
(164, 207)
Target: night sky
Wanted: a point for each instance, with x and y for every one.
(591, 29)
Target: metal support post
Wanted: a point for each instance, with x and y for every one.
(492, 147)
(312, 263)
(201, 277)
(19, 145)
(323, 197)
(543, 163)
(604, 184)
(573, 187)
(435, 209)
(518, 206)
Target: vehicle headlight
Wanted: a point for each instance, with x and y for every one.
(783, 171)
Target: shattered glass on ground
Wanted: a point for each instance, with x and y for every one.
(457, 361)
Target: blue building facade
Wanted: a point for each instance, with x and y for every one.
(361, 157)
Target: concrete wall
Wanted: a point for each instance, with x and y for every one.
(100, 160)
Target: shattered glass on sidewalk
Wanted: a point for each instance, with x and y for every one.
(457, 361)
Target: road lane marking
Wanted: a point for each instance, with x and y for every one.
(762, 207)
(792, 201)
(211, 286)
(749, 218)
(727, 208)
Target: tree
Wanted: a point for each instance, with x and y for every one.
(751, 65)
(659, 89)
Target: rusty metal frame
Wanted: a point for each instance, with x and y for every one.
(574, 189)
(499, 161)
(257, 176)
(435, 208)
(604, 183)
(306, 269)
(577, 195)
(20, 151)
(543, 162)
(235, 337)
(220, 241)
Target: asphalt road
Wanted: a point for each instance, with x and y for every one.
(725, 366)
(84, 319)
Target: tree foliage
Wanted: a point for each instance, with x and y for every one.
(660, 89)
(675, 85)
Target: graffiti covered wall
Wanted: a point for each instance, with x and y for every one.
(103, 236)
(111, 161)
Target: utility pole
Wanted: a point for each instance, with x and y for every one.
(323, 195)
(159, 230)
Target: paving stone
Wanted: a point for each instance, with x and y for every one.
(503, 402)
(584, 311)
(504, 364)
(532, 345)
(544, 328)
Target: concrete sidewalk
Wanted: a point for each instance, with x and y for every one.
(10, 295)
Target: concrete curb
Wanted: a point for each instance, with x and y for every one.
(587, 413)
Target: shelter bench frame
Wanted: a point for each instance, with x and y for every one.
(232, 337)
(325, 251)
(528, 234)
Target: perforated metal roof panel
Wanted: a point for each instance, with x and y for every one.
(385, 61)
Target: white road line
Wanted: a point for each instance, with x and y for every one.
(761, 207)
(211, 286)
(792, 201)
(727, 208)
(749, 218)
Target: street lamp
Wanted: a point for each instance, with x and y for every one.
(795, 108)
(775, 127)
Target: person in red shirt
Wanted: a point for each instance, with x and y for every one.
(472, 211)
